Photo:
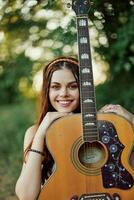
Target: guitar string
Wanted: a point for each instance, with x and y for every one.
(88, 148)
(86, 145)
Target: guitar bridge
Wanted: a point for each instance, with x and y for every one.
(96, 196)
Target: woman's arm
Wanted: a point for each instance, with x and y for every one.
(28, 185)
(118, 110)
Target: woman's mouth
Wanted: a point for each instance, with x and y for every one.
(64, 103)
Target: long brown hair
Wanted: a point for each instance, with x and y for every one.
(59, 63)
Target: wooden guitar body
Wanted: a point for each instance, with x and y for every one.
(98, 170)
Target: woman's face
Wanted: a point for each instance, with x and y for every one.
(64, 91)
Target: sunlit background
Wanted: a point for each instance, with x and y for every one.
(43, 51)
(32, 33)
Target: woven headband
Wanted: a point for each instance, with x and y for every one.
(63, 60)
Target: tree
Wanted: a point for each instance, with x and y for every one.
(34, 32)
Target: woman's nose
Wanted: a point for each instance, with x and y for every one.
(63, 91)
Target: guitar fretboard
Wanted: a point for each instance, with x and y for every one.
(88, 102)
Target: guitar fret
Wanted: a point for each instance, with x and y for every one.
(88, 90)
(93, 135)
(86, 139)
(86, 76)
(89, 115)
(85, 119)
(90, 128)
(91, 106)
(91, 139)
(91, 119)
(90, 110)
(90, 136)
(88, 132)
(87, 95)
(91, 123)
(84, 49)
(91, 98)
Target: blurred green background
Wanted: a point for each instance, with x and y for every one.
(34, 32)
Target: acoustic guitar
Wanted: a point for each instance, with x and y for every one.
(91, 150)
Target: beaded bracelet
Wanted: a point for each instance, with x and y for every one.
(36, 151)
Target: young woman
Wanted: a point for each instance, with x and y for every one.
(60, 97)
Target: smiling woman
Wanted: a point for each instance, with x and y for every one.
(60, 97)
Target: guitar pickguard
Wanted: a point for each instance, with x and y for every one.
(113, 172)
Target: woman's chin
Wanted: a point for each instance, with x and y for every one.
(65, 110)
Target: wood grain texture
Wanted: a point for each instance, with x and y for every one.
(67, 181)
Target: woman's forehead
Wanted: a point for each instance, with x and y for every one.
(62, 75)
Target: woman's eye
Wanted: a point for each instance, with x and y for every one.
(56, 87)
(73, 87)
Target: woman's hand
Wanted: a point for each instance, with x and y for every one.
(48, 119)
(118, 110)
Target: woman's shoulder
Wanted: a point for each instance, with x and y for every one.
(31, 129)
(29, 135)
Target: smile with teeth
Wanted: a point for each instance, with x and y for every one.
(64, 102)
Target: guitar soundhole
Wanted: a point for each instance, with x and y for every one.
(91, 154)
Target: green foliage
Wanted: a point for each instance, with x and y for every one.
(117, 26)
(14, 120)
(13, 71)
(114, 94)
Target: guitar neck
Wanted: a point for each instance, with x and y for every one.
(87, 91)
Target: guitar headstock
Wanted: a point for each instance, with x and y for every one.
(81, 7)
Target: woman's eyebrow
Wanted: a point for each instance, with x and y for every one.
(72, 82)
(67, 83)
